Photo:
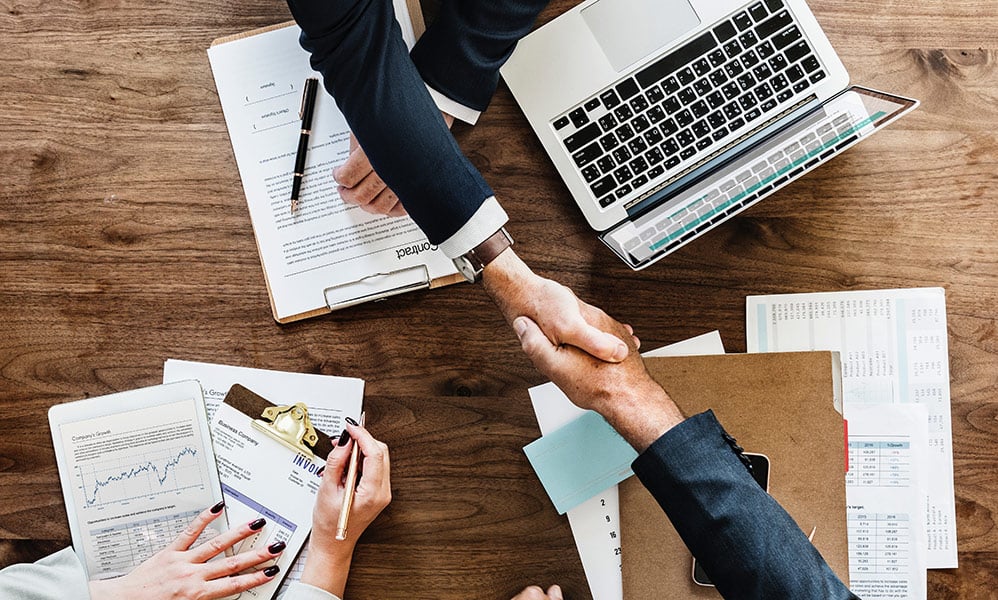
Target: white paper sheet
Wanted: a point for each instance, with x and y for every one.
(326, 243)
(329, 400)
(136, 468)
(885, 489)
(595, 522)
(894, 351)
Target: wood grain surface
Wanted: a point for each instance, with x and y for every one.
(125, 240)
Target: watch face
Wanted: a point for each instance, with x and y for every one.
(465, 267)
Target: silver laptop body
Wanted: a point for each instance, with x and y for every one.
(667, 117)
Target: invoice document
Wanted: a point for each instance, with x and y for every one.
(894, 351)
(328, 253)
(329, 399)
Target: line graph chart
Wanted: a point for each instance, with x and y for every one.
(146, 475)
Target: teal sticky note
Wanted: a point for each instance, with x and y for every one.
(580, 460)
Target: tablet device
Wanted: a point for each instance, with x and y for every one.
(136, 467)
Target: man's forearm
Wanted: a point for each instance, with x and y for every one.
(695, 474)
(359, 50)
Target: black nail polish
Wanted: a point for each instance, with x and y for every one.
(319, 472)
(351, 421)
(218, 507)
(276, 547)
(344, 438)
(271, 571)
(258, 524)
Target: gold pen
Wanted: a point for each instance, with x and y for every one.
(351, 486)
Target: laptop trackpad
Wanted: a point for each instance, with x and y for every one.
(629, 30)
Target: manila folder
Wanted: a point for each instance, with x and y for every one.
(777, 404)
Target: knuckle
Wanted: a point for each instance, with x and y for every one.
(216, 544)
(232, 564)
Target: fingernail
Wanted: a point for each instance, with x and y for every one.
(520, 326)
(276, 547)
(351, 421)
(621, 352)
(344, 438)
(218, 507)
(321, 469)
(271, 571)
(258, 524)
(555, 592)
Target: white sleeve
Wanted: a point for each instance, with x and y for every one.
(454, 108)
(303, 591)
(488, 219)
(59, 576)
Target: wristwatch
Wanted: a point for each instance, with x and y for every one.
(473, 262)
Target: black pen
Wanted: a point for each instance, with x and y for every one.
(307, 107)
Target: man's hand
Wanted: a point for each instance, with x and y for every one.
(360, 184)
(563, 318)
(624, 393)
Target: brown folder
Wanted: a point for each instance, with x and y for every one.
(780, 405)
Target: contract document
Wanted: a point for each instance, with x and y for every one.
(327, 254)
(894, 351)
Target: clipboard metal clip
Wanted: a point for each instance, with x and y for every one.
(377, 287)
(290, 426)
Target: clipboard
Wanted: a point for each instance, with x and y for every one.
(249, 432)
(370, 286)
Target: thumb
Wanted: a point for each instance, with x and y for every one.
(534, 343)
(602, 345)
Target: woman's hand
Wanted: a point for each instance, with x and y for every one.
(328, 561)
(180, 571)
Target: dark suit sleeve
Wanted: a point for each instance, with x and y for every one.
(365, 65)
(462, 50)
(748, 545)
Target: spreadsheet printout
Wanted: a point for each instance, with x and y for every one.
(894, 351)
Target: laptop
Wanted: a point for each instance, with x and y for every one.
(666, 118)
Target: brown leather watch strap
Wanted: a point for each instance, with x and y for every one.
(492, 247)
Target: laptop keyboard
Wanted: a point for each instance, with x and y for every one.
(714, 203)
(690, 102)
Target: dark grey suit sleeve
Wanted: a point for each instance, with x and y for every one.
(462, 50)
(748, 545)
(358, 47)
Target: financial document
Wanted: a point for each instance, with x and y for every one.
(894, 351)
(135, 479)
(885, 492)
(595, 523)
(329, 400)
(326, 243)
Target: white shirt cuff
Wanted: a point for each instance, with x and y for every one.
(303, 591)
(454, 108)
(488, 219)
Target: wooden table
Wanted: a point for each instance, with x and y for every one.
(126, 241)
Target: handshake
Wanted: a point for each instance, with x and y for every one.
(589, 355)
